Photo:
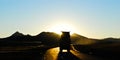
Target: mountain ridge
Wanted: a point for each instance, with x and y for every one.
(50, 38)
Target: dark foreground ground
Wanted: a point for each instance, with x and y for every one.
(36, 53)
(76, 53)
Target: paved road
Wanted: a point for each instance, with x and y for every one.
(54, 54)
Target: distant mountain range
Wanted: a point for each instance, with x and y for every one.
(51, 38)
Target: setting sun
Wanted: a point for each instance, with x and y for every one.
(58, 28)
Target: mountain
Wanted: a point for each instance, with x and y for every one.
(108, 41)
(48, 38)
(52, 39)
(17, 34)
(45, 38)
(79, 39)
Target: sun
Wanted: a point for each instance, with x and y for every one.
(58, 28)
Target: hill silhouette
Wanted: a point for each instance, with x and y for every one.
(82, 40)
(45, 40)
(17, 34)
(52, 39)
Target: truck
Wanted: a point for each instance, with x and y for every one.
(65, 41)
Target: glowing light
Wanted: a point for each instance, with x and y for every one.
(58, 28)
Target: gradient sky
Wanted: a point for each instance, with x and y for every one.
(90, 18)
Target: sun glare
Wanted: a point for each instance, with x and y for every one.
(62, 27)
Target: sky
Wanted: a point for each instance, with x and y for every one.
(90, 18)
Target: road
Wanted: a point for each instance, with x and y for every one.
(54, 54)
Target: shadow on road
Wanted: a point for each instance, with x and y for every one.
(66, 56)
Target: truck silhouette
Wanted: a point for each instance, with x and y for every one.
(65, 41)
